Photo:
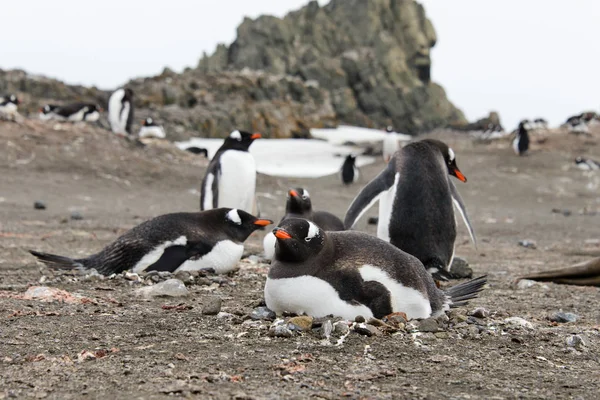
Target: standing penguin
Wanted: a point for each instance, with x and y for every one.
(230, 179)
(349, 171)
(9, 105)
(299, 205)
(120, 111)
(416, 198)
(520, 143)
(151, 129)
(390, 144)
(173, 242)
(352, 273)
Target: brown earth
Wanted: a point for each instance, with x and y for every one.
(138, 349)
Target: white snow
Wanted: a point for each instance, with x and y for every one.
(344, 133)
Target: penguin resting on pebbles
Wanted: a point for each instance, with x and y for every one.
(209, 240)
(352, 273)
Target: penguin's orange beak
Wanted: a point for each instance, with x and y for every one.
(459, 175)
(263, 222)
(293, 193)
(281, 234)
(255, 136)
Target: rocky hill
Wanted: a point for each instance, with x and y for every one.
(361, 62)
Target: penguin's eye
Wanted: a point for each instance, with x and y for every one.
(307, 239)
(304, 197)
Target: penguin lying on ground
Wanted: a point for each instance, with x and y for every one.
(47, 112)
(9, 106)
(230, 179)
(349, 172)
(197, 150)
(150, 129)
(577, 125)
(416, 198)
(71, 112)
(352, 273)
(520, 143)
(120, 111)
(587, 164)
(173, 242)
(299, 205)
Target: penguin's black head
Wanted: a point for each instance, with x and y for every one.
(524, 126)
(94, 108)
(127, 95)
(47, 108)
(240, 140)
(239, 224)
(579, 160)
(13, 99)
(449, 158)
(389, 129)
(197, 150)
(350, 159)
(148, 122)
(298, 202)
(297, 240)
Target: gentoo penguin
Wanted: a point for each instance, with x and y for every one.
(151, 129)
(520, 143)
(577, 125)
(197, 150)
(9, 105)
(587, 164)
(173, 242)
(415, 197)
(540, 123)
(349, 171)
(120, 111)
(230, 179)
(352, 273)
(390, 144)
(72, 112)
(299, 205)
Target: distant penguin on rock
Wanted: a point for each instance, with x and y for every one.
(75, 112)
(197, 150)
(587, 164)
(9, 106)
(349, 172)
(299, 205)
(230, 179)
(416, 199)
(120, 111)
(390, 144)
(348, 274)
(577, 125)
(150, 129)
(520, 143)
(48, 112)
(208, 240)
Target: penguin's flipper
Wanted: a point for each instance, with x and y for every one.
(55, 261)
(370, 194)
(173, 256)
(462, 209)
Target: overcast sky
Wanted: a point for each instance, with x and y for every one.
(523, 58)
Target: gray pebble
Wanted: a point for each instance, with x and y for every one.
(460, 268)
(480, 312)
(576, 342)
(367, 329)
(76, 216)
(262, 313)
(428, 325)
(528, 244)
(280, 331)
(359, 319)
(326, 329)
(563, 317)
(212, 306)
(341, 328)
(39, 205)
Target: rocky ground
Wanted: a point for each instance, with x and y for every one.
(104, 339)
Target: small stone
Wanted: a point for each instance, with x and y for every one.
(367, 330)
(170, 287)
(183, 276)
(326, 329)
(76, 216)
(212, 306)
(39, 205)
(373, 221)
(460, 268)
(576, 341)
(528, 244)
(262, 313)
(441, 335)
(564, 211)
(428, 325)
(302, 323)
(480, 312)
(396, 319)
(360, 319)
(525, 284)
(280, 331)
(563, 317)
(341, 328)
(225, 315)
(442, 319)
(376, 322)
(518, 322)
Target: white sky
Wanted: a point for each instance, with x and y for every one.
(523, 58)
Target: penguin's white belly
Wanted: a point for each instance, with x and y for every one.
(152, 131)
(386, 205)
(237, 181)
(515, 145)
(269, 245)
(223, 258)
(8, 109)
(356, 174)
(403, 299)
(92, 117)
(390, 146)
(310, 295)
(47, 116)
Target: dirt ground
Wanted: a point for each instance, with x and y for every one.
(114, 344)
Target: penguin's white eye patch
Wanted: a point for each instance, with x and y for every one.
(236, 135)
(304, 197)
(313, 231)
(234, 217)
(307, 239)
(451, 154)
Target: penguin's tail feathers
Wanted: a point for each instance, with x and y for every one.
(55, 261)
(460, 294)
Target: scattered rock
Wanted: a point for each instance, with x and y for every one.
(460, 268)
(280, 331)
(518, 322)
(396, 318)
(39, 205)
(326, 329)
(367, 329)
(563, 317)
(576, 341)
(302, 323)
(262, 313)
(525, 284)
(225, 315)
(212, 306)
(564, 211)
(341, 328)
(480, 312)
(170, 287)
(76, 216)
(428, 325)
(528, 244)
(359, 319)
(373, 220)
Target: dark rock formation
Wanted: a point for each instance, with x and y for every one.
(372, 56)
